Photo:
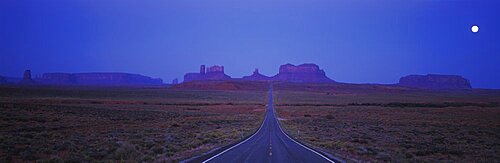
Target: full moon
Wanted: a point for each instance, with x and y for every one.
(474, 28)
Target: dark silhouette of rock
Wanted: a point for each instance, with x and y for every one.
(192, 77)
(223, 85)
(27, 78)
(215, 69)
(58, 78)
(256, 76)
(3, 80)
(304, 73)
(175, 81)
(195, 76)
(212, 73)
(216, 73)
(27, 75)
(202, 69)
(118, 79)
(433, 81)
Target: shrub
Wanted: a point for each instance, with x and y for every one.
(127, 152)
(158, 150)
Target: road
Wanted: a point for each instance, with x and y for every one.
(269, 144)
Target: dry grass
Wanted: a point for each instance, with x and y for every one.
(121, 124)
(413, 127)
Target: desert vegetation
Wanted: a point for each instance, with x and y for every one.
(396, 127)
(121, 124)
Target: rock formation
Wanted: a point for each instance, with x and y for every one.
(304, 73)
(27, 75)
(212, 73)
(119, 79)
(195, 76)
(432, 81)
(291, 75)
(256, 76)
(216, 73)
(175, 81)
(27, 78)
(3, 80)
(58, 78)
(202, 69)
(192, 77)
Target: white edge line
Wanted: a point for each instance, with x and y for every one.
(326, 158)
(240, 142)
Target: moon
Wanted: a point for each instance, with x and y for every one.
(474, 28)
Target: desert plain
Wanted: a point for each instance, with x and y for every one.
(356, 123)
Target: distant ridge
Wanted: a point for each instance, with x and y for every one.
(212, 73)
(98, 78)
(256, 76)
(434, 81)
(304, 73)
(214, 78)
(310, 73)
(90, 79)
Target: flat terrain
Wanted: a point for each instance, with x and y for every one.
(122, 124)
(269, 144)
(367, 123)
(397, 125)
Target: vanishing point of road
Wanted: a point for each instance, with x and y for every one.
(269, 144)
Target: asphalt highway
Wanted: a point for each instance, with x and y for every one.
(269, 144)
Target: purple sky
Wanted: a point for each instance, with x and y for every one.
(353, 41)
